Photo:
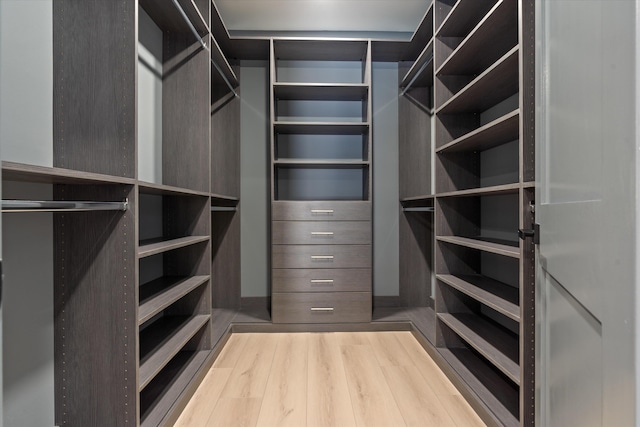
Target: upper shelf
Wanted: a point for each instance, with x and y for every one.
(502, 130)
(320, 49)
(321, 128)
(47, 175)
(321, 91)
(463, 17)
(167, 14)
(421, 72)
(168, 190)
(488, 41)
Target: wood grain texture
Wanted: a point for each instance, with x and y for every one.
(285, 402)
(416, 257)
(460, 411)
(328, 399)
(95, 297)
(94, 81)
(225, 261)
(230, 354)
(201, 405)
(387, 349)
(321, 256)
(325, 211)
(418, 403)
(250, 375)
(321, 307)
(321, 280)
(321, 232)
(372, 400)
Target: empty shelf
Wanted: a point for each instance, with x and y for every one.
(159, 294)
(169, 385)
(156, 246)
(321, 50)
(12, 171)
(419, 209)
(322, 163)
(496, 344)
(321, 128)
(163, 340)
(168, 16)
(495, 391)
(168, 190)
(483, 244)
(492, 293)
(421, 72)
(223, 208)
(500, 131)
(483, 191)
(320, 91)
(463, 17)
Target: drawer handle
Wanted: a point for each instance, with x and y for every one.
(321, 256)
(322, 233)
(326, 309)
(321, 211)
(315, 281)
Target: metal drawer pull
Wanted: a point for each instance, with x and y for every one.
(322, 233)
(321, 280)
(325, 211)
(321, 308)
(321, 256)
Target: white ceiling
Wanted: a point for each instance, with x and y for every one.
(323, 15)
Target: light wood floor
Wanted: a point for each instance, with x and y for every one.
(365, 379)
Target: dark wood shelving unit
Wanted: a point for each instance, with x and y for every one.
(161, 293)
(495, 133)
(483, 244)
(156, 246)
(321, 128)
(321, 91)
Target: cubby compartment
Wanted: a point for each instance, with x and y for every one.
(292, 147)
(173, 95)
(321, 182)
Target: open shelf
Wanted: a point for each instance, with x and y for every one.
(156, 246)
(321, 163)
(421, 72)
(221, 65)
(159, 294)
(495, 343)
(492, 293)
(483, 191)
(497, 132)
(167, 16)
(12, 171)
(487, 383)
(494, 35)
(463, 17)
(497, 83)
(321, 128)
(498, 247)
(167, 190)
(167, 387)
(162, 340)
(320, 49)
(321, 91)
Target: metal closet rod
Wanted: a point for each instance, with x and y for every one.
(408, 86)
(204, 45)
(61, 206)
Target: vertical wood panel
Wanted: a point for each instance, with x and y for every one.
(225, 266)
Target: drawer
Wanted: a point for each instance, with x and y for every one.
(321, 211)
(328, 307)
(321, 280)
(321, 256)
(321, 232)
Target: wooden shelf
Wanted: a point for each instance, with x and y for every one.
(500, 131)
(168, 386)
(21, 172)
(166, 16)
(156, 246)
(497, 83)
(428, 198)
(421, 72)
(463, 17)
(494, 35)
(495, 343)
(321, 163)
(167, 190)
(484, 191)
(494, 390)
(220, 60)
(320, 49)
(321, 91)
(159, 294)
(164, 339)
(494, 294)
(321, 128)
(486, 245)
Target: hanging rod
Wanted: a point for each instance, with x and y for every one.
(420, 209)
(61, 206)
(223, 208)
(408, 86)
(203, 44)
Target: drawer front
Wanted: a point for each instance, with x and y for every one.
(321, 280)
(321, 211)
(321, 256)
(329, 307)
(321, 232)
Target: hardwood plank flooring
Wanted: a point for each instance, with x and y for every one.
(369, 379)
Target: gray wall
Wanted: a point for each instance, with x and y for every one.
(254, 173)
(26, 136)
(386, 269)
